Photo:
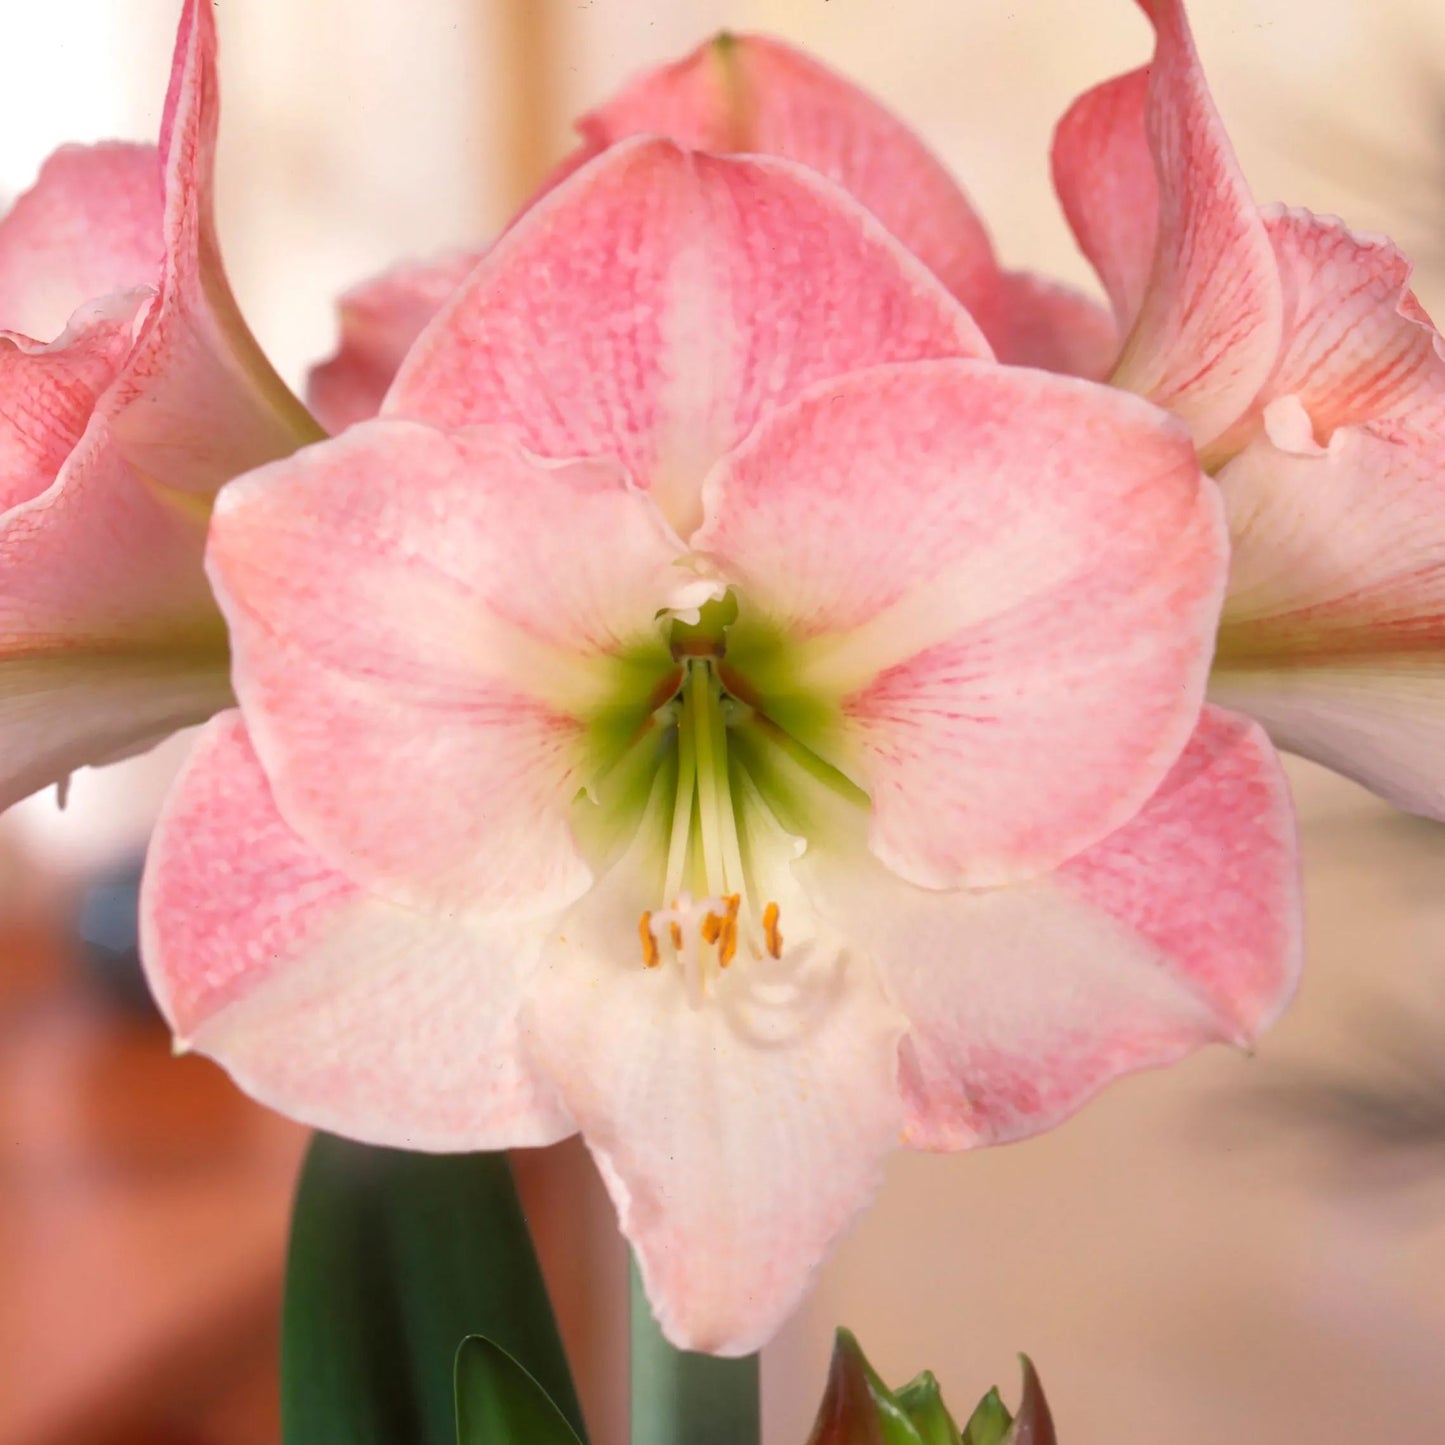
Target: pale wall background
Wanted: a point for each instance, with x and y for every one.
(1186, 1264)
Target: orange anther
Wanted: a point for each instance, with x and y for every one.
(650, 956)
(711, 927)
(675, 929)
(771, 932)
(728, 944)
(734, 902)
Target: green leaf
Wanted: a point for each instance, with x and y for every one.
(499, 1403)
(396, 1258)
(989, 1424)
(922, 1401)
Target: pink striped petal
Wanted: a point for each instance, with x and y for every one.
(414, 660)
(1206, 323)
(739, 1138)
(380, 319)
(49, 390)
(1334, 629)
(656, 305)
(90, 226)
(199, 402)
(1008, 582)
(1181, 929)
(1357, 346)
(749, 94)
(331, 1005)
(109, 639)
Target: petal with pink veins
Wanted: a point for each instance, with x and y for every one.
(1181, 929)
(415, 660)
(335, 1007)
(1206, 323)
(1357, 346)
(685, 298)
(89, 227)
(751, 95)
(987, 595)
(48, 391)
(1333, 632)
(199, 402)
(380, 319)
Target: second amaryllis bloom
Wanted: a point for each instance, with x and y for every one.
(718, 709)
(130, 391)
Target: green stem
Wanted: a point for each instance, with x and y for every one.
(679, 1398)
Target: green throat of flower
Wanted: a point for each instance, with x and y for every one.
(701, 780)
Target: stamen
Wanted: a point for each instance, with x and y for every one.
(728, 943)
(651, 955)
(771, 932)
(690, 923)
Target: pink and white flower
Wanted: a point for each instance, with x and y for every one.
(1309, 374)
(130, 390)
(718, 709)
(1314, 383)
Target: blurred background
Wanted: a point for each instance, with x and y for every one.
(1245, 1249)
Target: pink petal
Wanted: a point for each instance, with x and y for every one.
(1104, 173)
(1206, 323)
(326, 1003)
(755, 95)
(109, 638)
(90, 226)
(1008, 581)
(1181, 929)
(380, 319)
(657, 304)
(739, 1138)
(1357, 346)
(48, 392)
(413, 660)
(1334, 629)
(1040, 323)
(199, 402)
(750, 94)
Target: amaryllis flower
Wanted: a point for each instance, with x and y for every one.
(739, 95)
(718, 709)
(1313, 381)
(1314, 384)
(130, 389)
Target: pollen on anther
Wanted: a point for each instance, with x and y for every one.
(650, 955)
(771, 932)
(711, 927)
(728, 942)
(675, 929)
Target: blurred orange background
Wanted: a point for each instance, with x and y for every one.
(1244, 1249)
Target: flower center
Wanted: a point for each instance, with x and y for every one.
(700, 799)
(707, 909)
